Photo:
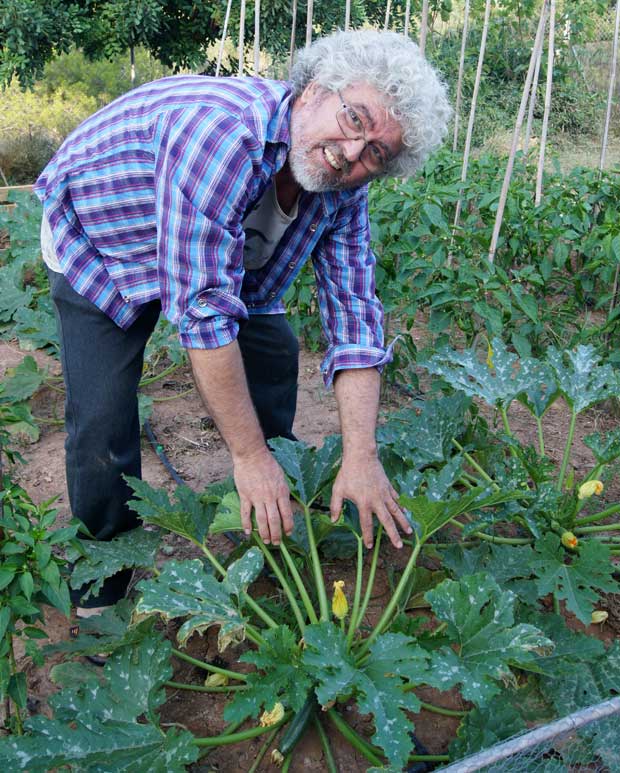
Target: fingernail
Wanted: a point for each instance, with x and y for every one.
(267, 542)
(409, 530)
(369, 545)
(247, 532)
(399, 544)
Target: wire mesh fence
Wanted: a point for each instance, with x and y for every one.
(578, 743)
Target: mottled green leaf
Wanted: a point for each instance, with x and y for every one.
(378, 687)
(22, 382)
(485, 726)
(580, 377)
(184, 589)
(131, 549)
(577, 582)
(228, 515)
(309, 470)
(606, 447)
(480, 620)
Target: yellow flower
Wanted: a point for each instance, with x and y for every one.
(277, 758)
(569, 540)
(589, 488)
(272, 717)
(216, 680)
(490, 364)
(599, 616)
(340, 605)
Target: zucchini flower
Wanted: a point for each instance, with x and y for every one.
(216, 680)
(599, 616)
(569, 540)
(340, 605)
(272, 717)
(589, 488)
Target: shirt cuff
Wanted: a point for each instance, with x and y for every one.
(211, 321)
(351, 356)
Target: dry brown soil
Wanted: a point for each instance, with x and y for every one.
(195, 449)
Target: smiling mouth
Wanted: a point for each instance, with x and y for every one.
(331, 159)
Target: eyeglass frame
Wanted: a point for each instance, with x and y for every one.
(344, 108)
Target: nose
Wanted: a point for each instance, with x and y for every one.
(352, 148)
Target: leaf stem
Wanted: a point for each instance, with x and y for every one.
(371, 578)
(204, 688)
(208, 667)
(567, 449)
(504, 415)
(393, 602)
(307, 602)
(358, 591)
(316, 565)
(227, 739)
(19, 726)
(475, 464)
(282, 580)
(152, 379)
(354, 739)
(597, 516)
(263, 751)
(594, 529)
(490, 538)
(440, 710)
(541, 437)
(327, 749)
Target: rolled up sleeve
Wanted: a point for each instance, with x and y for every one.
(351, 313)
(204, 177)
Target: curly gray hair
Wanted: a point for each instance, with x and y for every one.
(414, 93)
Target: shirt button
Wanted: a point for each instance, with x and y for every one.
(202, 302)
(272, 294)
(291, 264)
(313, 227)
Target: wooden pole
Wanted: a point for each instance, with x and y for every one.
(407, 15)
(459, 85)
(612, 86)
(347, 15)
(515, 138)
(533, 95)
(472, 113)
(241, 36)
(309, 22)
(423, 26)
(545, 123)
(220, 53)
(388, 8)
(291, 57)
(256, 37)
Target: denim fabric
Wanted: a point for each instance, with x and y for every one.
(102, 366)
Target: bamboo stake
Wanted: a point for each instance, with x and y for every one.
(472, 114)
(545, 123)
(388, 8)
(423, 26)
(291, 57)
(612, 86)
(533, 94)
(241, 36)
(256, 37)
(347, 15)
(309, 22)
(220, 53)
(459, 85)
(407, 15)
(515, 138)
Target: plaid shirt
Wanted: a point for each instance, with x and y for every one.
(146, 200)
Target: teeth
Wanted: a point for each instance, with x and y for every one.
(331, 158)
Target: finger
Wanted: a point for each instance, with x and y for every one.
(262, 523)
(386, 519)
(335, 506)
(284, 506)
(394, 494)
(275, 524)
(400, 517)
(246, 515)
(366, 524)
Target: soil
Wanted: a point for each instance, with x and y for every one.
(195, 449)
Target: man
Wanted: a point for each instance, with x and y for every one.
(203, 198)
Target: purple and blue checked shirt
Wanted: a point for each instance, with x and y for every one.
(146, 200)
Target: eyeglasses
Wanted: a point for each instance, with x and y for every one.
(351, 125)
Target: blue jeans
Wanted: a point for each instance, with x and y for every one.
(102, 367)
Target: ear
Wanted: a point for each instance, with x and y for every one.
(308, 95)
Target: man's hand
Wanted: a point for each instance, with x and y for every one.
(261, 485)
(364, 482)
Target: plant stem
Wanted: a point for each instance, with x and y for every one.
(504, 416)
(371, 579)
(556, 605)
(497, 540)
(285, 586)
(227, 739)
(316, 566)
(208, 667)
(594, 529)
(393, 602)
(354, 739)
(567, 449)
(429, 758)
(329, 757)
(146, 381)
(19, 726)
(541, 438)
(598, 516)
(204, 688)
(358, 591)
(263, 751)
(441, 710)
(475, 464)
(307, 602)
(173, 397)
(287, 763)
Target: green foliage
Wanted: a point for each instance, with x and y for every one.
(308, 470)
